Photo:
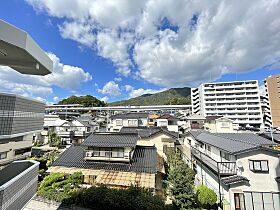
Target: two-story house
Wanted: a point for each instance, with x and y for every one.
(242, 168)
(219, 124)
(69, 131)
(112, 159)
(132, 119)
(168, 121)
(159, 137)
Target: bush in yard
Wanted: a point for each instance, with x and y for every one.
(205, 197)
(98, 198)
(59, 186)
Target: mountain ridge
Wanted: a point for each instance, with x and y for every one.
(171, 96)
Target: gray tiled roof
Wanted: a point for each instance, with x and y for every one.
(232, 142)
(111, 140)
(168, 117)
(234, 179)
(146, 132)
(276, 136)
(143, 161)
(132, 115)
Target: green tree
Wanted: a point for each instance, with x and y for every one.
(86, 101)
(206, 197)
(181, 181)
(55, 140)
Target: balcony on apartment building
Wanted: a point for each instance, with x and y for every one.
(222, 168)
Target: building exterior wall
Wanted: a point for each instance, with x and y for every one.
(19, 115)
(15, 193)
(159, 141)
(219, 126)
(272, 85)
(259, 182)
(114, 125)
(238, 101)
(10, 146)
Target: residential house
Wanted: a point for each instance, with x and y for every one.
(152, 119)
(220, 124)
(112, 159)
(194, 121)
(69, 131)
(242, 168)
(132, 119)
(168, 121)
(159, 137)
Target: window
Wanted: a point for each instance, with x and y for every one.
(119, 122)
(239, 201)
(22, 151)
(132, 122)
(3, 155)
(225, 124)
(117, 152)
(208, 150)
(258, 165)
(225, 156)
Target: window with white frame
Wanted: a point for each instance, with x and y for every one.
(208, 149)
(225, 124)
(132, 122)
(258, 165)
(119, 122)
(3, 155)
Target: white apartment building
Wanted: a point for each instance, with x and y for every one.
(238, 101)
(241, 168)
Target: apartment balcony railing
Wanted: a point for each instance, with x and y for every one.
(222, 168)
(106, 156)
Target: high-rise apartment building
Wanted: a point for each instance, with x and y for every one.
(238, 101)
(272, 86)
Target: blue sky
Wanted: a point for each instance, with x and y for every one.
(135, 48)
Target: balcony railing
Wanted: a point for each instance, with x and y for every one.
(222, 168)
(106, 155)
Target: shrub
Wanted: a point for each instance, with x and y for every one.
(206, 197)
(59, 186)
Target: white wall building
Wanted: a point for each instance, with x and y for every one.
(133, 119)
(238, 101)
(240, 167)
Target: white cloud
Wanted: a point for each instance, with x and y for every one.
(64, 76)
(110, 88)
(118, 79)
(105, 99)
(56, 99)
(262, 90)
(138, 92)
(188, 43)
(128, 88)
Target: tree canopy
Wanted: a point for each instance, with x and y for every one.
(86, 101)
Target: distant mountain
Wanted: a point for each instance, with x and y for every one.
(171, 96)
(86, 101)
